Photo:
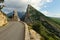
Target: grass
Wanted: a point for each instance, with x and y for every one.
(57, 20)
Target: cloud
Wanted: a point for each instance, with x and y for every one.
(51, 14)
(57, 15)
(7, 10)
(21, 5)
(38, 4)
(49, 0)
(15, 4)
(45, 12)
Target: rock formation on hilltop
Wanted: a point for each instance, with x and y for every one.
(15, 16)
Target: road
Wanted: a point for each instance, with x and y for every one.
(12, 31)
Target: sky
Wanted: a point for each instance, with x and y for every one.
(47, 7)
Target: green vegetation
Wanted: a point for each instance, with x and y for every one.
(36, 27)
(39, 28)
(57, 20)
(52, 21)
(38, 19)
(1, 1)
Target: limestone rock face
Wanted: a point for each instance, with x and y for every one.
(15, 16)
(34, 35)
(3, 19)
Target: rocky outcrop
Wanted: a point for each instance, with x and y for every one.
(30, 34)
(15, 16)
(3, 19)
(34, 35)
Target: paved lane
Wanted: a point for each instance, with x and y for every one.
(12, 31)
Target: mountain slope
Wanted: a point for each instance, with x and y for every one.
(57, 20)
(43, 25)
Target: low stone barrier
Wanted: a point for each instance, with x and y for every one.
(27, 35)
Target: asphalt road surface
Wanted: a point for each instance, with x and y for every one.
(12, 31)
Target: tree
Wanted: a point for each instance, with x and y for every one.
(1, 1)
(36, 27)
(1, 5)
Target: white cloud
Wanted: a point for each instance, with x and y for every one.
(51, 14)
(57, 15)
(45, 12)
(22, 4)
(16, 4)
(49, 0)
(38, 4)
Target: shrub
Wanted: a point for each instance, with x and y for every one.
(36, 27)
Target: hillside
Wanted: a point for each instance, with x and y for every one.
(57, 20)
(43, 25)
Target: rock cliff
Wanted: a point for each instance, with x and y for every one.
(3, 19)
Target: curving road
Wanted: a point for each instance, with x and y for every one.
(12, 31)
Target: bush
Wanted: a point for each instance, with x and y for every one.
(36, 27)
